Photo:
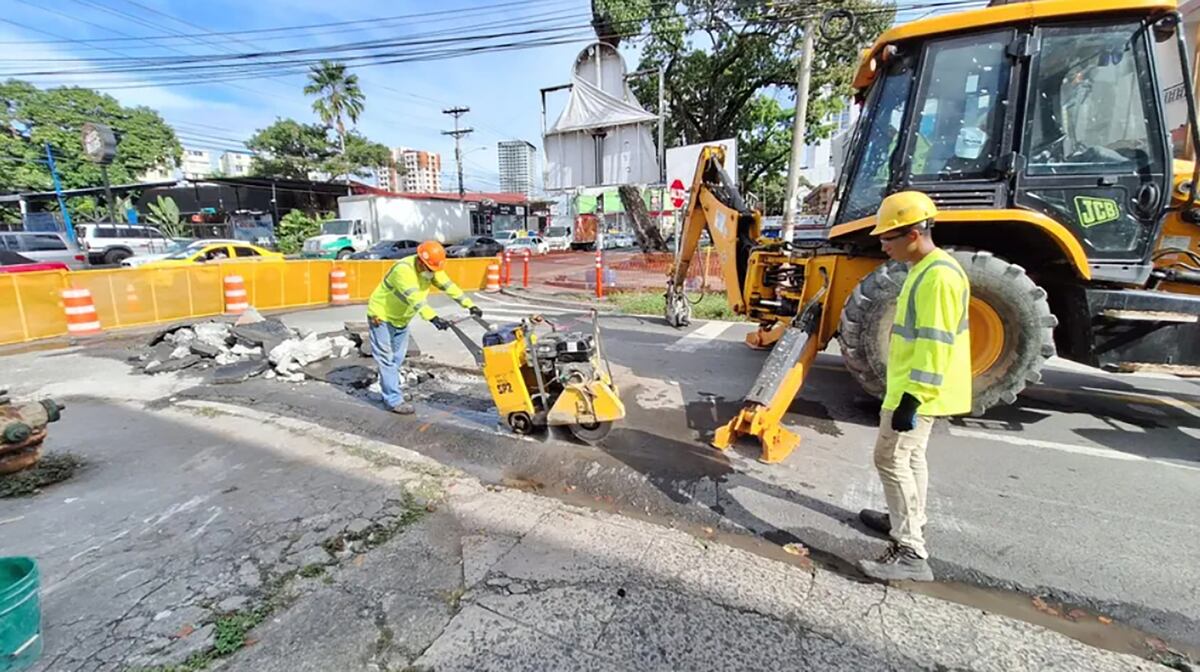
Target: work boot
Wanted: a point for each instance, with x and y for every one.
(899, 563)
(875, 520)
(404, 408)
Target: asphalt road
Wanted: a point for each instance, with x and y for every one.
(1085, 491)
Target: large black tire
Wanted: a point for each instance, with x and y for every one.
(115, 256)
(1021, 305)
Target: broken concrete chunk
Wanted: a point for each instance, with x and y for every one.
(181, 337)
(204, 349)
(267, 333)
(171, 364)
(180, 351)
(312, 349)
(240, 349)
(215, 334)
(251, 316)
(239, 371)
(227, 358)
(337, 372)
(358, 526)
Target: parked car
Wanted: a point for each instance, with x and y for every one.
(11, 262)
(177, 245)
(107, 243)
(207, 251)
(389, 249)
(558, 238)
(475, 246)
(534, 244)
(44, 247)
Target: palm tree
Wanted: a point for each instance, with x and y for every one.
(338, 96)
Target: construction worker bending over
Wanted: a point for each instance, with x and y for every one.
(928, 376)
(392, 306)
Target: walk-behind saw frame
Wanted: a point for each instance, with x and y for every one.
(552, 378)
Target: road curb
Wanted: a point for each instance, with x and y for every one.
(560, 303)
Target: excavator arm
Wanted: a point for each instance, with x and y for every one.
(715, 206)
(796, 298)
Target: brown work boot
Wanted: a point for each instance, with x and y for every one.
(404, 409)
(876, 520)
(899, 563)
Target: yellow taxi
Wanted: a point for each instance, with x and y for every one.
(202, 251)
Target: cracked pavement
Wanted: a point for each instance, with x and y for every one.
(364, 555)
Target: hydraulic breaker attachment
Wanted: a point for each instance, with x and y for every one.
(777, 385)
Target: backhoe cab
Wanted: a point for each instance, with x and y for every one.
(1039, 130)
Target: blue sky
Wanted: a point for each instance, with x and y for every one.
(404, 101)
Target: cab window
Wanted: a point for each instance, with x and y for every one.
(964, 84)
(880, 136)
(243, 251)
(215, 253)
(1090, 112)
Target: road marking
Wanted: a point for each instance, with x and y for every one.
(705, 333)
(1090, 451)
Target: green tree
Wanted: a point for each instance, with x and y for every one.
(725, 83)
(164, 212)
(31, 117)
(295, 226)
(288, 148)
(338, 96)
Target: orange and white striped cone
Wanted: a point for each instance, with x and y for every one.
(236, 301)
(81, 312)
(493, 278)
(339, 288)
(132, 303)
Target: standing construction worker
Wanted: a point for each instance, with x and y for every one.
(928, 376)
(392, 306)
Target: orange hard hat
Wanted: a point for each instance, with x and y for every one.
(432, 254)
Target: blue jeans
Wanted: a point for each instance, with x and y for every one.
(389, 346)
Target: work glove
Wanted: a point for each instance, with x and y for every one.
(441, 324)
(904, 418)
(476, 312)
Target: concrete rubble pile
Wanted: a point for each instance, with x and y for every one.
(254, 345)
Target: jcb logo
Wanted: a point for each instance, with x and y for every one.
(1093, 211)
(504, 387)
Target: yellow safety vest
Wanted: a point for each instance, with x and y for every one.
(402, 293)
(930, 352)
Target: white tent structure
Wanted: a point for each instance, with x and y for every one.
(603, 136)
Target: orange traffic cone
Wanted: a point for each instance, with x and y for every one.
(493, 278)
(235, 295)
(81, 312)
(339, 289)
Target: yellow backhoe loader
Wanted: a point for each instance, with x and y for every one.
(1040, 129)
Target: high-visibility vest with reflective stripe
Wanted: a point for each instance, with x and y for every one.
(402, 293)
(929, 355)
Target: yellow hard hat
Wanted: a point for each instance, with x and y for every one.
(901, 209)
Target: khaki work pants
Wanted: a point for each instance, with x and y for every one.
(900, 461)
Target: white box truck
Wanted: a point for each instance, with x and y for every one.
(365, 220)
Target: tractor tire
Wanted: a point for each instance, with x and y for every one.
(1012, 328)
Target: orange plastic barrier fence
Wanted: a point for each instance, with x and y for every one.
(31, 304)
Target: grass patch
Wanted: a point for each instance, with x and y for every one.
(51, 469)
(311, 571)
(710, 306)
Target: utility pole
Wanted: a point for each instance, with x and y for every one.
(458, 134)
(799, 129)
(68, 226)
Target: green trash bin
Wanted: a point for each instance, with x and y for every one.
(20, 614)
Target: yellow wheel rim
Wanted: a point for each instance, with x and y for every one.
(987, 336)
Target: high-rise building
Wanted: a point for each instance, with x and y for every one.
(517, 166)
(422, 172)
(197, 164)
(235, 164)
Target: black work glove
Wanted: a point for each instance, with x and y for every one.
(476, 312)
(441, 324)
(904, 418)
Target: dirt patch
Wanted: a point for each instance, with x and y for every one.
(52, 468)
